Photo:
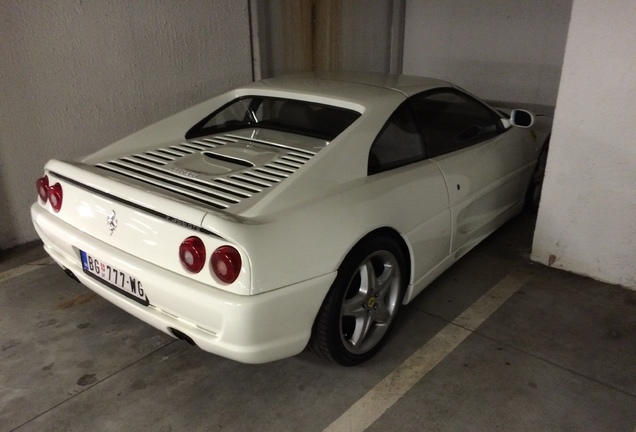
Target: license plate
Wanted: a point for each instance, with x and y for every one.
(114, 278)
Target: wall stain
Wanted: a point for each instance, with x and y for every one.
(312, 33)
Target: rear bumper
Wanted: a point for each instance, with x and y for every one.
(249, 329)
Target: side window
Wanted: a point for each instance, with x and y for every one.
(450, 120)
(399, 143)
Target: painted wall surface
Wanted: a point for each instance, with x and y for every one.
(587, 218)
(501, 50)
(366, 35)
(78, 75)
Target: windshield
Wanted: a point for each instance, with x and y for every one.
(300, 117)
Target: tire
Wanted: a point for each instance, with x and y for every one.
(358, 312)
(533, 194)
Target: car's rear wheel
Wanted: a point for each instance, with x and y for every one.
(361, 306)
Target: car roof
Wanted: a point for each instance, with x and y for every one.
(359, 87)
(406, 84)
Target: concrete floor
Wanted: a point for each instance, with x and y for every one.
(559, 354)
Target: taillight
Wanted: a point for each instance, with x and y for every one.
(55, 196)
(192, 254)
(42, 185)
(226, 263)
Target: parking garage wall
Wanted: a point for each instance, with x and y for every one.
(305, 35)
(78, 75)
(500, 50)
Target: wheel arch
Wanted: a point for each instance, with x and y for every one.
(330, 333)
(395, 235)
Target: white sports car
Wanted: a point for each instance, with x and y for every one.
(292, 212)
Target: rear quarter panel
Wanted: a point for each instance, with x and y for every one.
(312, 238)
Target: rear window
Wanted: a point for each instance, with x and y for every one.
(300, 117)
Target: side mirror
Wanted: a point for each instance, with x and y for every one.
(521, 118)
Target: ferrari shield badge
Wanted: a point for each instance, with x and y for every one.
(111, 221)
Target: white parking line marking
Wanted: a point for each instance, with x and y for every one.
(26, 268)
(380, 398)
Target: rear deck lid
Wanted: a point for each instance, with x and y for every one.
(227, 172)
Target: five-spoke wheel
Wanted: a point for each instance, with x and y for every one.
(357, 314)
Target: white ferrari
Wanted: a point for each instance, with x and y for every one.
(293, 212)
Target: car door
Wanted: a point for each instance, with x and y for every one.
(484, 165)
(418, 200)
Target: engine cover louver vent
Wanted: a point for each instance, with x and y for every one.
(207, 170)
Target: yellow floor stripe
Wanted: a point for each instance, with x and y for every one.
(26, 268)
(387, 392)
